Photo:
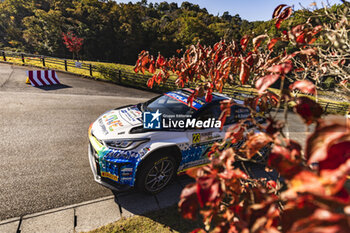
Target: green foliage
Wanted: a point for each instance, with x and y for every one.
(117, 32)
(108, 73)
(112, 31)
(329, 83)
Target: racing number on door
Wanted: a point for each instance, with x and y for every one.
(196, 138)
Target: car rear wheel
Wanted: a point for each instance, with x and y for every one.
(156, 173)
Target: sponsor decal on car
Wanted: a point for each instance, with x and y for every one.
(103, 127)
(109, 176)
(196, 138)
(183, 99)
(131, 115)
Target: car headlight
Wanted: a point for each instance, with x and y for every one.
(126, 144)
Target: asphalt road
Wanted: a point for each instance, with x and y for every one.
(43, 139)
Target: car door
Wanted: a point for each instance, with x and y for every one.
(201, 140)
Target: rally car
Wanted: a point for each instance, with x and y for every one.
(129, 148)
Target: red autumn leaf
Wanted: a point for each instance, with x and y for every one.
(150, 82)
(258, 40)
(180, 81)
(143, 70)
(326, 188)
(333, 181)
(244, 42)
(244, 74)
(190, 100)
(273, 126)
(297, 30)
(271, 183)
(208, 190)
(301, 39)
(136, 69)
(209, 96)
(308, 109)
(249, 59)
(255, 143)
(225, 107)
(343, 82)
(307, 182)
(278, 10)
(331, 131)
(252, 102)
(273, 98)
(235, 133)
(152, 68)
(265, 82)
(300, 69)
(322, 221)
(278, 23)
(160, 61)
(286, 13)
(312, 41)
(188, 202)
(308, 52)
(304, 86)
(144, 61)
(282, 160)
(283, 68)
(317, 29)
(273, 42)
(158, 78)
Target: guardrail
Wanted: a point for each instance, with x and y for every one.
(126, 78)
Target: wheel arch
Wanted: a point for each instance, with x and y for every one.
(172, 150)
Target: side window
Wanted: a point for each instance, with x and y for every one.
(237, 113)
(212, 111)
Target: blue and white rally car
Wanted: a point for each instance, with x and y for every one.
(147, 144)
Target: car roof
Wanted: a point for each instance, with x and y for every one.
(200, 102)
(216, 96)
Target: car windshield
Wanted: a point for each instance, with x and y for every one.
(170, 103)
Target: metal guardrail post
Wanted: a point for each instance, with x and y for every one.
(65, 65)
(120, 76)
(90, 67)
(22, 58)
(325, 109)
(3, 55)
(43, 59)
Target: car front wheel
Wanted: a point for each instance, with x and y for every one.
(156, 173)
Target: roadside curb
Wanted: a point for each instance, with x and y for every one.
(90, 215)
(15, 225)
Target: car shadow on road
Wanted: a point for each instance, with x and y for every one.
(163, 207)
(53, 87)
(133, 202)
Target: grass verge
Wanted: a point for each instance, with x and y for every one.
(35, 62)
(162, 221)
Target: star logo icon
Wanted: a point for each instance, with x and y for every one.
(156, 116)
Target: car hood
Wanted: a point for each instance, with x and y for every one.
(117, 123)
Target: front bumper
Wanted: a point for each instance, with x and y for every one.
(95, 168)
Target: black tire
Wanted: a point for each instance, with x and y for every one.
(263, 157)
(155, 173)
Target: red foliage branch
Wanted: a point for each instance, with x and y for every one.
(72, 42)
(312, 197)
